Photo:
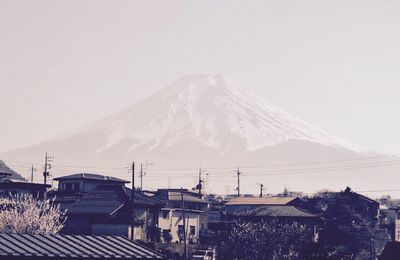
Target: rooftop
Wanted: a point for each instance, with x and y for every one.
(21, 183)
(90, 176)
(176, 196)
(72, 247)
(107, 199)
(261, 201)
(274, 211)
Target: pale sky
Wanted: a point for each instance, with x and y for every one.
(334, 64)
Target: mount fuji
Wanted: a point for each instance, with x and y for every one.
(209, 121)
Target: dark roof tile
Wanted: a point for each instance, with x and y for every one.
(69, 247)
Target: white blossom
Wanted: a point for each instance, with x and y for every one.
(26, 214)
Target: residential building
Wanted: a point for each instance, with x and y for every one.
(73, 187)
(12, 187)
(366, 207)
(171, 215)
(108, 210)
(282, 209)
(248, 203)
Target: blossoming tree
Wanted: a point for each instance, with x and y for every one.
(26, 214)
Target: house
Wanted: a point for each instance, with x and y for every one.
(171, 215)
(390, 219)
(44, 247)
(18, 187)
(366, 207)
(107, 210)
(282, 209)
(248, 203)
(73, 187)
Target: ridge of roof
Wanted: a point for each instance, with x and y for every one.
(274, 211)
(260, 201)
(90, 176)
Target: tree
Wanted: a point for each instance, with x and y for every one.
(266, 240)
(25, 214)
(347, 231)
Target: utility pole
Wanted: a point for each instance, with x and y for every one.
(45, 173)
(261, 189)
(133, 202)
(200, 184)
(141, 176)
(47, 166)
(32, 170)
(238, 182)
(184, 225)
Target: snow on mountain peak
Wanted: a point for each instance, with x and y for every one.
(212, 111)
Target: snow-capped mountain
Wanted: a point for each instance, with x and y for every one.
(198, 121)
(212, 111)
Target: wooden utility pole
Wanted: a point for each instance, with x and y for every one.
(184, 225)
(261, 189)
(238, 182)
(133, 202)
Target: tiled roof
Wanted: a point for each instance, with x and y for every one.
(176, 196)
(274, 211)
(72, 247)
(107, 199)
(90, 176)
(22, 184)
(261, 201)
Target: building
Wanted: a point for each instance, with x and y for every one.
(248, 203)
(107, 210)
(43, 247)
(282, 209)
(73, 187)
(390, 219)
(366, 207)
(11, 187)
(171, 215)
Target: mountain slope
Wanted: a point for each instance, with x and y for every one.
(201, 120)
(14, 175)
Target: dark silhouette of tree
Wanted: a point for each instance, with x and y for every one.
(267, 240)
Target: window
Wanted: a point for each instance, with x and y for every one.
(71, 186)
(192, 230)
(180, 231)
(165, 214)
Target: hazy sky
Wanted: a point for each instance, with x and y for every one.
(334, 64)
